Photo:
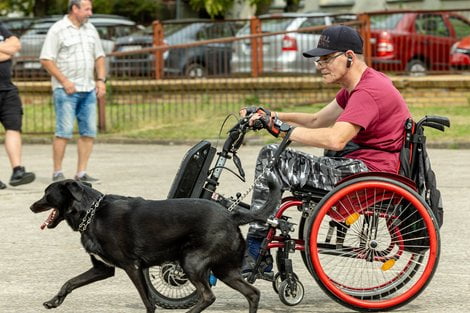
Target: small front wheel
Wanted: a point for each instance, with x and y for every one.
(278, 280)
(291, 294)
(170, 287)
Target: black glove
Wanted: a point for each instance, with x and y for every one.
(274, 125)
(259, 110)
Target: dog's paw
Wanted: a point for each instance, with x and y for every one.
(54, 302)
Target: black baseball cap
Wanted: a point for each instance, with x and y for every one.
(336, 38)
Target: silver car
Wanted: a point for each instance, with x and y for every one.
(281, 53)
(26, 62)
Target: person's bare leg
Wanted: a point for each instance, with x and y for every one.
(58, 152)
(13, 147)
(84, 147)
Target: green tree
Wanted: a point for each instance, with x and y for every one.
(142, 11)
(24, 6)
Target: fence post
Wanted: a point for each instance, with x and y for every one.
(256, 47)
(102, 113)
(365, 33)
(158, 54)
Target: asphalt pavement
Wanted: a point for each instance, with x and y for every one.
(34, 264)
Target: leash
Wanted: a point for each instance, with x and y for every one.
(282, 146)
(250, 188)
(90, 213)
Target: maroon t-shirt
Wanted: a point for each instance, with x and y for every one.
(378, 108)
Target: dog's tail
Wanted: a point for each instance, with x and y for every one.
(243, 216)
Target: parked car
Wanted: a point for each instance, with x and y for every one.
(17, 25)
(26, 62)
(197, 61)
(460, 54)
(415, 42)
(282, 53)
(137, 64)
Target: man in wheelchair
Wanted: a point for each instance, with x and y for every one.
(361, 129)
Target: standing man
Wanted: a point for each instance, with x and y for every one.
(71, 53)
(11, 111)
(367, 111)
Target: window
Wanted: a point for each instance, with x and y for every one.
(461, 27)
(431, 24)
(275, 25)
(388, 21)
(313, 21)
(336, 2)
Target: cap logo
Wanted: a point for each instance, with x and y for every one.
(324, 41)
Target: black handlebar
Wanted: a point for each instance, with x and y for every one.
(235, 138)
(433, 121)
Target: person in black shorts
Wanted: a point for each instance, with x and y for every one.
(11, 111)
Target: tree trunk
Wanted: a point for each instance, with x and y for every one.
(292, 6)
(263, 8)
(40, 7)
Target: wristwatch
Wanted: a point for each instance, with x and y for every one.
(101, 79)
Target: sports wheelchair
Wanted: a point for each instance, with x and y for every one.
(372, 243)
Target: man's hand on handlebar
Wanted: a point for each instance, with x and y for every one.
(274, 125)
(247, 111)
(262, 118)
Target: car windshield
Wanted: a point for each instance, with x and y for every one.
(168, 29)
(388, 21)
(39, 29)
(269, 25)
(462, 27)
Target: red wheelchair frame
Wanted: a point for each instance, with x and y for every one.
(372, 243)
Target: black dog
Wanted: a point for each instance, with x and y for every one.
(134, 234)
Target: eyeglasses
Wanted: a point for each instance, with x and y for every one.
(328, 60)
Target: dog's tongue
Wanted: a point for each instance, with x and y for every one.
(49, 219)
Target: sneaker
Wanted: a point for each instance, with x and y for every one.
(2, 185)
(266, 265)
(251, 255)
(86, 179)
(58, 177)
(21, 177)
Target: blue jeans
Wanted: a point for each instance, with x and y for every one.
(79, 105)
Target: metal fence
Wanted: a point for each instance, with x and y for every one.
(177, 70)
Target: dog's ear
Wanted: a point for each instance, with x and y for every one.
(75, 190)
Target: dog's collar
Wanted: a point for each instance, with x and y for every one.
(89, 215)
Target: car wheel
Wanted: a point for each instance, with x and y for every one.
(416, 67)
(195, 70)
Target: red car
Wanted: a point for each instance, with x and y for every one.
(460, 54)
(415, 42)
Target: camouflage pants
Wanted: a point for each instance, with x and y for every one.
(298, 170)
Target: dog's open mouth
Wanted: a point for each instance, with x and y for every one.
(51, 218)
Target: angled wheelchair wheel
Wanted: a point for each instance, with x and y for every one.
(291, 294)
(278, 279)
(372, 244)
(170, 287)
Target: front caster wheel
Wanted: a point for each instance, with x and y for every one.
(170, 287)
(291, 294)
(278, 280)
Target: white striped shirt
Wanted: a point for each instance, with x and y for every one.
(74, 51)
